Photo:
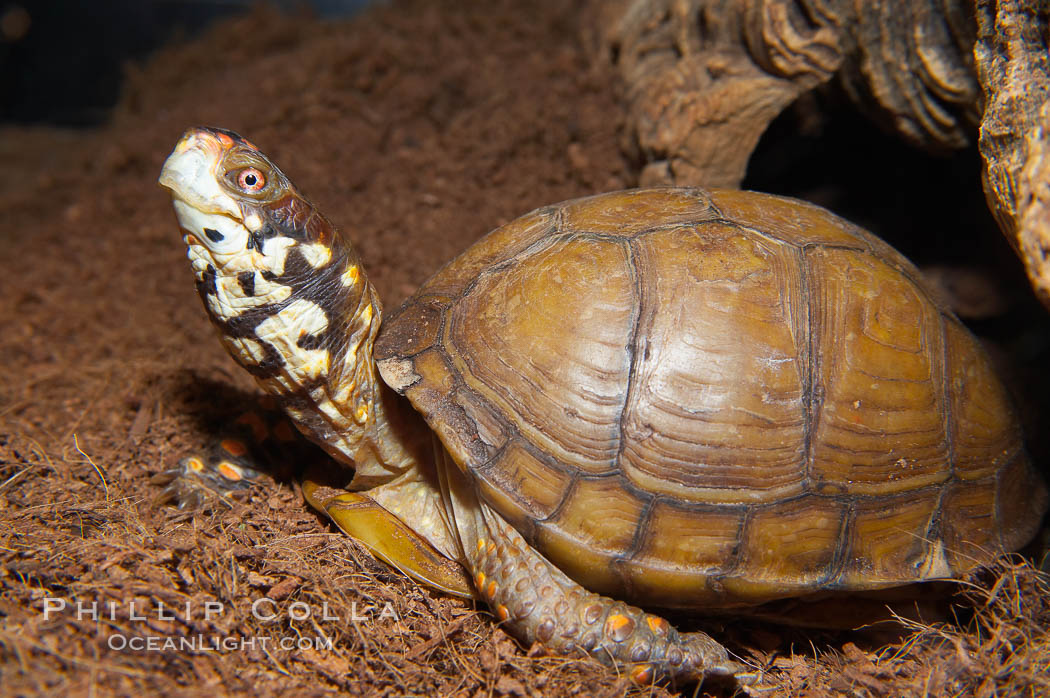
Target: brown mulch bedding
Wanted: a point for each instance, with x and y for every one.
(417, 146)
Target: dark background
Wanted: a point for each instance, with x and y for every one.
(61, 61)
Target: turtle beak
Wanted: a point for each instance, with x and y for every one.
(191, 173)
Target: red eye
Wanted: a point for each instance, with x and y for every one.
(250, 179)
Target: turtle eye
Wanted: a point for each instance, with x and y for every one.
(251, 180)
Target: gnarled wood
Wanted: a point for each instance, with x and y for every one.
(1014, 68)
(705, 77)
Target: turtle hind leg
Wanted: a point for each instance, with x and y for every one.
(258, 443)
(538, 603)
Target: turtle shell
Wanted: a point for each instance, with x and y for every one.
(692, 398)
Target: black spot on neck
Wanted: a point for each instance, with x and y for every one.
(246, 280)
(255, 240)
(214, 235)
(310, 341)
(207, 283)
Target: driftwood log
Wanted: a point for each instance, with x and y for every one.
(704, 78)
(1014, 72)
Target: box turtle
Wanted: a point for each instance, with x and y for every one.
(663, 398)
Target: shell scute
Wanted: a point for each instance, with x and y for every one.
(627, 213)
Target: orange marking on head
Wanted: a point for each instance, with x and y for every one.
(230, 471)
(479, 580)
(235, 447)
(195, 464)
(492, 547)
(502, 612)
(256, 424)
(250, 144)
(642, 675)
(191, 239)
(283, 431)
(223, 139)
(657, 624)
(491, 591)
(617, 621)
(481, 544)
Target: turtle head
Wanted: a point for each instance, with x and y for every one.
(276, 280)
(286, 292)
(238, 211)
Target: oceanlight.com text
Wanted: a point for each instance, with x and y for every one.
(214, 643)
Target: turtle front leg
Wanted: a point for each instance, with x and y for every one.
(372, 519)
(538, 603)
